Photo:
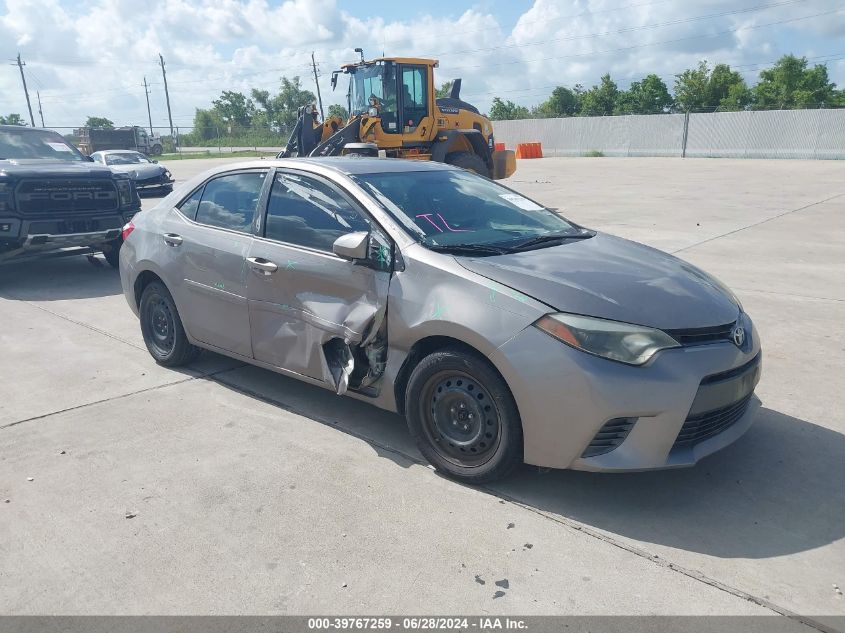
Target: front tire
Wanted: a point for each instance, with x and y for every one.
(470, 162)
(111, 252)
(162, 328)
(463, 417)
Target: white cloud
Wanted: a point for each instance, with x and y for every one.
(90, 59)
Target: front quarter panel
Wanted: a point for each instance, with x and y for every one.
(435, 296)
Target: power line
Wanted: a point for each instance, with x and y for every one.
(20, 66)
(166, 94)
(149, 114)
(40, 112)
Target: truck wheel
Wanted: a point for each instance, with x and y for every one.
(162, 328)
(463, 417)
(155, 150)
(469, 161)
(111, 252)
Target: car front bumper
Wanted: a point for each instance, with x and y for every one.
(565, 397)
(156, 182)
(30, 238)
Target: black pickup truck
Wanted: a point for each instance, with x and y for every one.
(56, 201)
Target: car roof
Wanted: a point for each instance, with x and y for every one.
(349, 165)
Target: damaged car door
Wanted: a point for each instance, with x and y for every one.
(312, 311)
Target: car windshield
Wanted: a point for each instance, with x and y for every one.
(125, 159)
(37, 144)
(376, 80)
(451, 208)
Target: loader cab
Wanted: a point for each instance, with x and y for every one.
(398, 91)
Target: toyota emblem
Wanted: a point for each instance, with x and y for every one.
(738, 335)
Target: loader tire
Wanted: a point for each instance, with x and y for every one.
(470, 162)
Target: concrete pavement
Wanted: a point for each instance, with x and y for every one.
(254, 493)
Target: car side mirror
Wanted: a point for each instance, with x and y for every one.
(155, 161)
(352, 246)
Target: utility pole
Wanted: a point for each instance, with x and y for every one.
(40, 112)
(149, 115)
(317, 81)
(25, 91)
(167, 97)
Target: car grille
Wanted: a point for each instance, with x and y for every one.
(155, 180)
(610, 435)
(703, 335)
(702, 427)
(75, 195)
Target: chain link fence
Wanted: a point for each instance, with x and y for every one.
(806, 134)
(183, 141)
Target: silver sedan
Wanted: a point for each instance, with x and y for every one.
(503, 332)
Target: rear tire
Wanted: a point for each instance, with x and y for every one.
(470, 162)
(463, 417)
(112, 253)
(162, 328)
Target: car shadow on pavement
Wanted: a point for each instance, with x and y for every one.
(59, 279)
(385, 432)
(776, 491)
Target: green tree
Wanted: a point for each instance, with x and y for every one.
(700, 89)
(791, 84)
(562, 102)
(12, 119)
(443, 90)
(281, 110)
(234, 109)
(692, 88)
(600, 100)
(99, 123)
(338, 110)
(507, 110)
(649, 96)
(207, 125)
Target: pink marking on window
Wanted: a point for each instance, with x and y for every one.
(426, 216)
(450, 228)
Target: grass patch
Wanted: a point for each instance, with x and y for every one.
(594, 153)
(208, 154)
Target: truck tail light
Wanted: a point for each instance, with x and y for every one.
(127, 230)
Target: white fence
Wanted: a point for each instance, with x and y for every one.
(753, 134)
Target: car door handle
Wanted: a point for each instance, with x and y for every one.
(262, 265)
(171, 239)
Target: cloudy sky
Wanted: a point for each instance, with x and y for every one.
(90, 58)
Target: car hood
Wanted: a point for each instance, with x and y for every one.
(33, 168)
(613, 278)
(141, 170)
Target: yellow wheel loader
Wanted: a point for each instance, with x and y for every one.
(393, 112)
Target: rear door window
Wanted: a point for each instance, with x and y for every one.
(189, 206)
(229, 202)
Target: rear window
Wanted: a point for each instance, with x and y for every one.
(37, 144)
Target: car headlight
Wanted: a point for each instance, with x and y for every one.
(372, 111)
(623, 342)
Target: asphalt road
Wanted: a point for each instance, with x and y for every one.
(253, 493)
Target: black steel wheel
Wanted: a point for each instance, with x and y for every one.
(463, 417)
(162, 328)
